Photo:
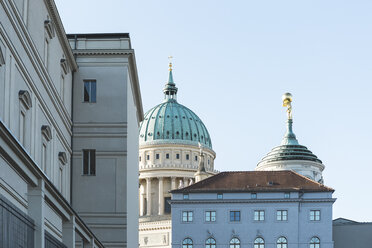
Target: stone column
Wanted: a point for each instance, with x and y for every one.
(68, 233)
(148, 195)
(161, 197)
(36, 211)
(185, 182)
(173, 183)
(142, 200)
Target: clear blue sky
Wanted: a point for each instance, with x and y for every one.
(234, 59)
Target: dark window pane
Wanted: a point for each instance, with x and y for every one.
(93, 90)
(86, 91)
(85, 162)
(92, 162)
(167, 206)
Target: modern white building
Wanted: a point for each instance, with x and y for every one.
(170, 139)
(290, 155)
(69, 121)
(253, 209)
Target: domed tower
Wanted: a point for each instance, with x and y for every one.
(290, 155)
(173, 143)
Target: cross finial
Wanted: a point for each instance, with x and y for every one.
(170, 62)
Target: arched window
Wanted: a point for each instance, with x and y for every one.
(315, 242)
(259, 243)
(187, 243)
(234, 243)
(210, 243)
(281, 243)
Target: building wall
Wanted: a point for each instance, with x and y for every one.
(108, 126)
(356, 235)
(298, 229)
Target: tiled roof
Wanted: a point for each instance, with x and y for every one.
(255, 181)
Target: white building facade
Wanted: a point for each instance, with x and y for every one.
(253, 209)
(170, 140)
(41, 145)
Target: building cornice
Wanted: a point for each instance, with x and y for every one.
(228, 201)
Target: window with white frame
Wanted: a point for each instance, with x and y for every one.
(259, 243)
(187, 216)
(89, 162)
(187, 243)
(259, 215)
(315, 215)
(282, 243)
(234, 216)
(46, 134)
(210, 243)
(25, 104)
(281, 215)
(90, 91)
(315, 242)
(234, 243)
(210, 216)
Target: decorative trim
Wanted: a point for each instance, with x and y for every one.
(62, 157)
(49, 28)
(46, 132)
(64, 65)
(25, 97)
(2, 59)
(300, 200)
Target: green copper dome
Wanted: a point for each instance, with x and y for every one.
(171, 122)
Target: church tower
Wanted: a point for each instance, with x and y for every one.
(290, 155)
(173, 144)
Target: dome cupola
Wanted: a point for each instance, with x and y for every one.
(290, 155)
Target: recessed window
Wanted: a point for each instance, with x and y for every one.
(139, 158)
(234, 243)
(315, 242)
(167, 206)
(259, 215)
(259, 243)
(208, 161)
(177, 156)
(219, 196)
(210, 216)
(253, 195)
(196, 158)
(315, 215)
(234, 216)
(281, 215)
(147, 157)
(167, 156)
(282, 243)
(157, 156)
(90, 91)
(187, 157)
(286, 195)
(186, 216)
(185, 196)
(187, 243)
(210, 243)
(89, 162)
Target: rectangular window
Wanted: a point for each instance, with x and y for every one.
(62, 88)
(157, 156)
(314, 215)
(22, 127)
(89, 162)
(253, 195)
(187, 156)
(148, 157)
(167, 206)
(259, 215)
(43, 157)
(286, 195)
(139, 158)
(219, 196)
(185, 196)
(234, 215)
(210, 216)
(196, 158)
(46, 51)
(167, 156)
(60, 181)
(186, 216)
(177, 156)
(90, 91)
(281, 215)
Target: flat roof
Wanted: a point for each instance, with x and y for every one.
(98, 35)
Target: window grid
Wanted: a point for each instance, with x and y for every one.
(281, 215)
(315, 215)
(187, 243)
(89, 162)
(259, 215)
(234, 216)
(282, 243)
(210, 216)
(234, 243)
(259, 243)
(315, 242)
(210, 243)
(187, 216)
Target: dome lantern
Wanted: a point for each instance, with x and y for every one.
(170, 89)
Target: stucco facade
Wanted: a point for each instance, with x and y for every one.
(38, 158)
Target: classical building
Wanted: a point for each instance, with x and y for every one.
(290, 155)
(170, 139)
(69, 120)
(253, 209)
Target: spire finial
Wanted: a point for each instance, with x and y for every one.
(289, 137)
(170, 89)
(170, 62)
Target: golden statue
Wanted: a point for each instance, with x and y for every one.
(287, 99)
